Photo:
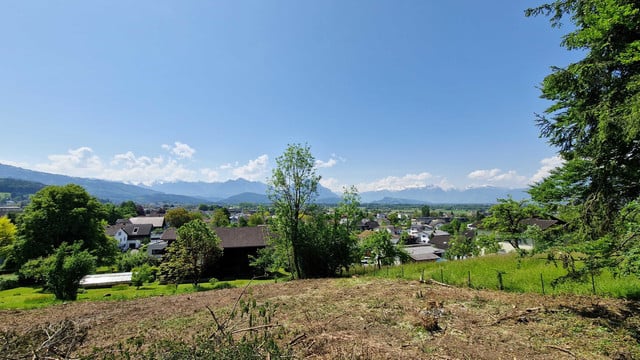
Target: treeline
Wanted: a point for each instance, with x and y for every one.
(19, 189)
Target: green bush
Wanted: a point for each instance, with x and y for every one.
(222, 285)
(129, 260)
(34, 272)
(213, 281)
(69, 266)
(142, 274)
(8, 283)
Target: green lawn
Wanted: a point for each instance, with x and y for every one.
(31, 297)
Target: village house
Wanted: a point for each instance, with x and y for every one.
(133, 232)
(237, 243)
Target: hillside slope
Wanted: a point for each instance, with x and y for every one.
(374, 319)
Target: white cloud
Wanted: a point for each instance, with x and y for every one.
(76, 162)
(228, 166)
(497, 177)
(483, 174)
(444, 184)
(181, 150)
(395, 183)
(134, 169)
(548, 164)
(333, 160)
(15, 163)
(255, 170)
(326, 164)
(126, 167)
(332, 184)
(210, 174)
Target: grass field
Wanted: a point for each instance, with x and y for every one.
(523, 275)
(520, 275)
(34, 297)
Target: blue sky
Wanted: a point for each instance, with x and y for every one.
(388, 94)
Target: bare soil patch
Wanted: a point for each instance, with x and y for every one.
(374, 319)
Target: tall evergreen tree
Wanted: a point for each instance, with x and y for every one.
(594, 122)
(595, 117)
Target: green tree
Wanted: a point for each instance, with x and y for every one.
(143, 274)
(349, 208)
(593, 120)
(326, 245)
(256, 219)
(7, 237)
(69, 266)
(196, 248)
(128, 209)
(505, 220)
(179, 216)
(60, 214)
(378, 246)
(127, 261)
(461, 246)
(394, 218)
(454, 227)
(425, 211)
(293, 187)
(220, 217)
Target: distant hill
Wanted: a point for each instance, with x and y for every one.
(115, 192)
(246, 197)
(396, 201)
(214, 191)
(232, 191)
(19, 189)
(241, 190)
(436, 195)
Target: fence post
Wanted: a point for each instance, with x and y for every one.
(469, 279)
(500, 285)
(542, 283)
(441, 275)
(593, 283)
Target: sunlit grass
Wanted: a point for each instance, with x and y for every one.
(34, 297)
(530, 274)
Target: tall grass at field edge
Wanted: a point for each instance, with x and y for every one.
(528, 274)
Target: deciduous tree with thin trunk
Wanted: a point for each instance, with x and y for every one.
(293, 186)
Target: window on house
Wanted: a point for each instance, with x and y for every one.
(135, 230)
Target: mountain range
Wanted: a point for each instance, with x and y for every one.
(243, 191)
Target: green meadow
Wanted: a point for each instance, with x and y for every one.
(35, 297)
(529, 274)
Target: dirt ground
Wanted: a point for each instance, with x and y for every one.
(363, 318)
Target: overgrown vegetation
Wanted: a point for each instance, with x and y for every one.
(593, 122)
(522, 274)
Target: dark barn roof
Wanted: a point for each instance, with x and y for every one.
(242, 237)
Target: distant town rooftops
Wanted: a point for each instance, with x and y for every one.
(156, 221)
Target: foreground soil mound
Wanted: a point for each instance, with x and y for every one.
(369, 319)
